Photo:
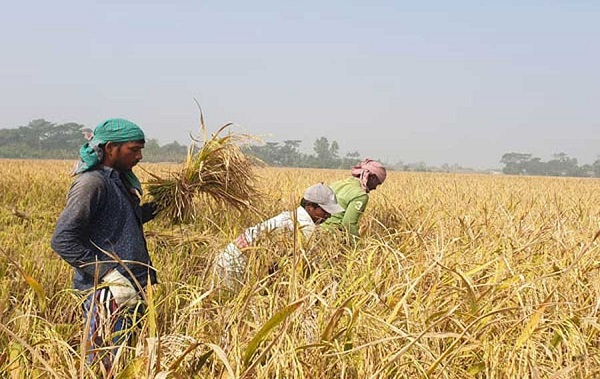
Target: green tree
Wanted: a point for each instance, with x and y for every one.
(322, 149)
(596, 167)
(173, 152)
(562, 165)
(515, 163)
(151, 151)
(41, 139)
(334, 150)
(289, 154)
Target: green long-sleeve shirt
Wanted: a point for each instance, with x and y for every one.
(351, 196)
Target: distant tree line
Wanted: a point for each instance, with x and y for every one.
(42, 139)
(560, 165)
(287, 154)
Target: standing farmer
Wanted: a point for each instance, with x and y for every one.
(353, 194)
(99, 233)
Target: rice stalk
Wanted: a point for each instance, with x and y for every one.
(214, 167)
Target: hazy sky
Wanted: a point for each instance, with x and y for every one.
(435, 81)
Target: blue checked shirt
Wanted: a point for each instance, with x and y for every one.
(102, 212)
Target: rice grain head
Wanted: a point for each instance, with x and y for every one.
(214, 167)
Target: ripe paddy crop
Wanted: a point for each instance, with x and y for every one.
(456, 276)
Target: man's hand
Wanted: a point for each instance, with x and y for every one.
(149, 211)
(241, 241)
(121, 288)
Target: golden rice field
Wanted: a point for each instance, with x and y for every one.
(457, 276)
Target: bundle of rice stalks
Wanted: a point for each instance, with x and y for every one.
(216, 167)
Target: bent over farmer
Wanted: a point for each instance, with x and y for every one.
(316, 205)
(100, 234)
(353, 194)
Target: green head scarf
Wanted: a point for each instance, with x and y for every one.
(111, 130)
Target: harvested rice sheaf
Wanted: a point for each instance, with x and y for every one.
(216, 167)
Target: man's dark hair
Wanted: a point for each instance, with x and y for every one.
(304, 203)
(119, 144)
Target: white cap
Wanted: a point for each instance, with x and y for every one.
(322, 195)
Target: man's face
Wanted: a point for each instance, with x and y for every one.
(123, 156)
(317, 214)
(373, 182)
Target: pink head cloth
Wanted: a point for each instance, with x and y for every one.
(366, 168)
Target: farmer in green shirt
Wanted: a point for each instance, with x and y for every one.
(353, 195)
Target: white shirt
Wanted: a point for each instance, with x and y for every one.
(283, 221)
(231, 262)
